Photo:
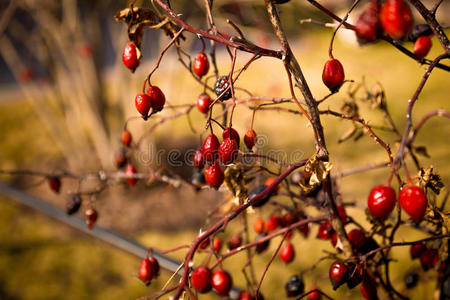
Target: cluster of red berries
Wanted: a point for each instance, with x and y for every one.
(412, 199)
(203, 280)
(149, 269)
(154, 99)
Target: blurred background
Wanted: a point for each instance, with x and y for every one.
(65, 97)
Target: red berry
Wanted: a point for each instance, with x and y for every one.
(357, 238)
(333, 75)
(245, 295)
(356, 276)
(339, 273)
(145, 271)
(235, 242)
(90, 216)
(250, 138)
(232, 134)
(203, 103)
(204, 243)
(396, 18)
(201, 279)
(120, 158)
(55, 183)
(221, 281)
(126, 138)
(367, 27)
(287, 252)
(314, 293)
(131, 56)
(154, 266)
(217, 244)
(325, 231)
(200, 65)
(157, 97)
(334, 239)
(199, 162)
(130, 171)
(413, 200)
(422, 46)
(258, 225)
(271, 223)
(228, 151)
(210, 148)
(428, 259)
(368, 289)
(417, 249)
(381, 201)
(342, 214)
(143, 104)
(271, 180)
(214, 175)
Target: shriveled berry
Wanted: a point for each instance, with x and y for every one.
(221, 281)
(232, 134)
(414, 201)
(201, 279)
(381, 201)
(73, 204)
(143, 104)
(210, 148)
(357, 238)
(369, 290)
(198, 159)
(200, 65)
(90, 217)
(157, 98)
(145, 271)
(339, 274)
(417, 249)
(396, 18)
(367, 27)
(235, 242)
(220, 86)
(294, 286)
(126, 138)
(55, 183)
(228, 151)
(422, 46)
(131, 56)
(256, 191)
(214, 175)
(287, 253)
(411, 279)
(131, 171)
(250, 139)
(333, 75)
(203, 103)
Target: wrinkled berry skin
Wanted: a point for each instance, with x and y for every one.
(367, 27)
(203, 103)
(143, 104)
(232, 134)
(228, 151)
(130, 57)
(220, 86)
(250, 139)
(414, 201)
(214, 175)
(422, 46)
(339, 274)
(396, 18)
(333, 75)
(157, 98)
(201, 279)
(73, 204)
(381, 201)
(200, 65)
(221, 281)
(294, 286)
(210, 148)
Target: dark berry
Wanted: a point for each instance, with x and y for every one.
(413, 200)
(367, 27)
(90, 216)
(221, 281)
(342, 213)
(198, 179)
(228, 151)
(422, 46)
(126, 138)
(428, 259)
(357, 238)
(154, 266)
(333, 75)
(210, 148)
(261, 247)
(55, 183)
(356, 276)
(120, 158)
(157, 98)
(256, 191)
(214, 175)
(369, 290)
(250, 139)
(287, 253)
(339, 274)
(73, 204)
(411, 280)
(235, 242)
(198, 159)
(294, 286)
(396, 18)
(201, 279)
(200, 65)
(131, 56)
(131, 171)
(220, 86)
(381, 201)
(417, 249)
(420, 30)
(203, 103)
(232, 134)
(143, 104)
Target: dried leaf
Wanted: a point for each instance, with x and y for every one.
(431, 180)
(318, 169)
(421, 150)
(350, 108)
